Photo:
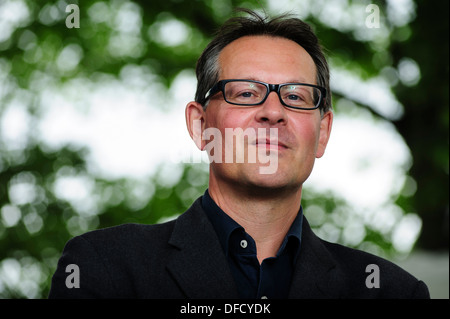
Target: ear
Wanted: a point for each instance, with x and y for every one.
(195, 121)
(324, 135)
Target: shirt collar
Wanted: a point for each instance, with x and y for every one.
(224, 226)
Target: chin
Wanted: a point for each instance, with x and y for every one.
(272, 182)
(247, 178)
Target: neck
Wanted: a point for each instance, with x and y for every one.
(265, 214)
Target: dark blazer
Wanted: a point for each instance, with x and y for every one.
(183, 259)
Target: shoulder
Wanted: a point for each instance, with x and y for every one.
(132, 241)
(124, 241)
(124, 261)
(370, 276)
(113, 261)
(350, 258)
(127, 233)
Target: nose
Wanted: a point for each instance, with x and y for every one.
(272, 112)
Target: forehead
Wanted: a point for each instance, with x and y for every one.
(267, 58)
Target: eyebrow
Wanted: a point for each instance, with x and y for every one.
(292, 81)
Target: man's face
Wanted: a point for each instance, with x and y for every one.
(302, 134)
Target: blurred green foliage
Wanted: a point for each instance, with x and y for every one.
(35, 226)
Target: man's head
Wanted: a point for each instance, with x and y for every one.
(269, 54)
(208, 67)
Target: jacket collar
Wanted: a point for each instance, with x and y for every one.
(199, 266)
(316, 275)
(198, 263)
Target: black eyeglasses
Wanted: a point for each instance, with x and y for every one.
(248, 92)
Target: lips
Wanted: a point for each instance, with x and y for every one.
(271, 144)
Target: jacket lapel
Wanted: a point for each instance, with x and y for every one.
(201, 270)
(198, 263)
(316, 275)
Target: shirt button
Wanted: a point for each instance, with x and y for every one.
(243, 243)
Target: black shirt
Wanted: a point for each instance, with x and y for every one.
(272, 278)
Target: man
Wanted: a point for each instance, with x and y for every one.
(266, 82)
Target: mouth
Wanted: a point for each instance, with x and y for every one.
(271, 144)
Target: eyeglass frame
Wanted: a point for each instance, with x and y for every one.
(220, 86)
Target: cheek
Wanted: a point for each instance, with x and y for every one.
(308, 133)
(308, 126)
(222, 118)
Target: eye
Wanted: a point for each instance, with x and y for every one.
(246, 94)
(294, 97)
(296, 94)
